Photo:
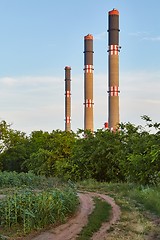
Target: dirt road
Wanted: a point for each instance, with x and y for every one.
(71, 229)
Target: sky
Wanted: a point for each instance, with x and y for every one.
(38, 38)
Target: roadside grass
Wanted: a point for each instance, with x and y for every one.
(100, 214)
(132, 225)
(137, 203)
(147, 196)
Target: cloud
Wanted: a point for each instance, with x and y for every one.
(139, 34)
(8, 81)
(34, 103)
(29, 80)
(100, 36)
(145, 36)
(139, 95)
(151, 101)
(145, 81)
(154, 39)
(30, 84)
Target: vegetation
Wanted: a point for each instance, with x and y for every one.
(29, 180)
(31, 166)
(32, 210)
(140, 209)
(147, 196)
(131, 154)
(34, 202)
(100, 215)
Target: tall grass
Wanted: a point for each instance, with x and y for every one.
(14, 179)
(32, 210)
(149, 197)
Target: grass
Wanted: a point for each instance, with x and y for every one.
(148, 196)
(33, 202)
(136, 222)
(100, 214)
(29, 195)
(30, 180)
(29, 210)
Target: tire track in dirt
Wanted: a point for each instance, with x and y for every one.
(102, 233)
(71, 229)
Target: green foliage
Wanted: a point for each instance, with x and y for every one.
(100, 214)
(47, 149)
(13, 148)
(33, 202)
(94, 156)
(132, 153)
(29, 180)
(38, 152)
(142, 162)
(149, 197)
(35, 210)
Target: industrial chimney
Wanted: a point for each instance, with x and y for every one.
(113, 69)
(67, 98)
(88, 82)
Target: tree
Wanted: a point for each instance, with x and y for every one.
(12, 148)
(49, 149)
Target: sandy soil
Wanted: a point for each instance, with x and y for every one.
(72, 228)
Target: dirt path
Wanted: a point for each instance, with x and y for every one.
(102, 233)
(72, 228)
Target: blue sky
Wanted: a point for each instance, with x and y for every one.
(38, 38)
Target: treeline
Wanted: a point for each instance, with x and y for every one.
(131, 154)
